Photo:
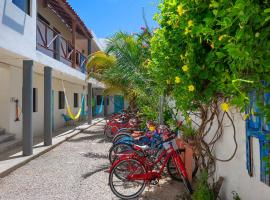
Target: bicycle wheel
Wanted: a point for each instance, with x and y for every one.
(119, 182)
(185, 179)
(172, 171)
(119, 136)
(117, 149)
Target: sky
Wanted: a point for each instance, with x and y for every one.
(106, 17)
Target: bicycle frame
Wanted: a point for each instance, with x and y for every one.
(150, 174)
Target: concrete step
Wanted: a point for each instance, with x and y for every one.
(2, 131)
(10, 146)
(6, 138)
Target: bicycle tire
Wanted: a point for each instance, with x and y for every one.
(185, 180)
(119, 136)
(113, 148)
(133, 196)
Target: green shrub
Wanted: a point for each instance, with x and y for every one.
(203, 189)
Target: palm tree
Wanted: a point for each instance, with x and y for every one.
(122, 65)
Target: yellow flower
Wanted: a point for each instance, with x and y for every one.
(191, 88)
(220, 37)
(225, 107)
(186, 31)
(180, 10)
(152, 128)
(177, 79)
(246, 116)
(185, 68)
(212, 46)
(190, 23)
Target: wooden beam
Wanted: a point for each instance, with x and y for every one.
(65, 8)
(44, 3)
(60, 3)
(74, 28)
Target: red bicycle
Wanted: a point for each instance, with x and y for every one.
(131, 173)
(115, 124)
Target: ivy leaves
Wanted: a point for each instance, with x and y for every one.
(219, 41)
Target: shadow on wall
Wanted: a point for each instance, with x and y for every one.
(13, 17)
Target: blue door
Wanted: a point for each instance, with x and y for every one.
(118, 103)
(258, 127)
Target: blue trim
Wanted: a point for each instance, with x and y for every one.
(256, 127)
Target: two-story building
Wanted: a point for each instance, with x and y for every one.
(43, 53)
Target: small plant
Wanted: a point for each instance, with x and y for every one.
(203, 189)
(236, 196)
(188, 131)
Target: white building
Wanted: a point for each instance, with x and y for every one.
(42, 43)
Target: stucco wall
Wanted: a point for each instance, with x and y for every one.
(11, 88)
(235, 172)
(4, 96)
(18, 30)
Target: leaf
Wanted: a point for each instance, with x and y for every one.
(267, 10)
(267, 18)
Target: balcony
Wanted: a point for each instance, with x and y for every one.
(53, 44)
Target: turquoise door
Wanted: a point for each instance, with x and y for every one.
(118, 103)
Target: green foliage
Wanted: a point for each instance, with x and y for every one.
(188, 131)
(205, 50)
(124, 67)
(203, 190)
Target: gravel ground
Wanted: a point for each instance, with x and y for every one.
(74, 171)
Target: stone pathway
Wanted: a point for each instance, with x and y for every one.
(74, 171)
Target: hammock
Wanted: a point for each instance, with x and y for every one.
(69, 112)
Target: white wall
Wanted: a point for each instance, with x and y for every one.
(71, 88)
(18, 30)
(11, 88)
(15, 92)
(4, 96)
(235, 172)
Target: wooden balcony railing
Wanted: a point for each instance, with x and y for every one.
(51, 43)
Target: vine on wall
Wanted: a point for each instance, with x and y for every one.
(209, 55)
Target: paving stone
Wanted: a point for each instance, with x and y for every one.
(74, 171)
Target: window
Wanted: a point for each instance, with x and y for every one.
(35, 100)
(61, 100)
(100, 100)
(76, 96)
(24, 5)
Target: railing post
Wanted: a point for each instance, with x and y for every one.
(58, 47)
(74, 25)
